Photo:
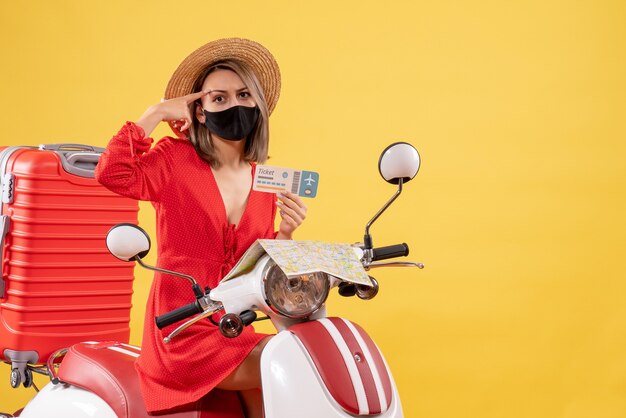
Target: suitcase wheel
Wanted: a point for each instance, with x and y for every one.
(16, 379)
(28, 378)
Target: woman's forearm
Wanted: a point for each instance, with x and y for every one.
(150, 119)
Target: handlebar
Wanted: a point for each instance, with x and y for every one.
(184, 312)
(179, 314)
(390, 251)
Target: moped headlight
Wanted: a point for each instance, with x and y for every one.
(294, 297)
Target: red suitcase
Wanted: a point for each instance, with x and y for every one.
(59, 284)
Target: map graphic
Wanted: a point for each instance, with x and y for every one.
(303, 257)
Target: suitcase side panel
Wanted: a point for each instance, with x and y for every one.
(62, 285)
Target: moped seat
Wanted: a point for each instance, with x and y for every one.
(107, 369)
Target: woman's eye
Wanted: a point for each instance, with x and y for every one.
(244, 95)
(219, 99)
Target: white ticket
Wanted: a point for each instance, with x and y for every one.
(273, 179)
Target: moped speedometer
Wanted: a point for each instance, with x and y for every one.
(296, 296)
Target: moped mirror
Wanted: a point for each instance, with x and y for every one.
(398, 164)
(128, 241)
(399, 161)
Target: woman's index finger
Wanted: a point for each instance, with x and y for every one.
(195, 96)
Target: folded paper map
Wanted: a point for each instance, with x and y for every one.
(305, 257)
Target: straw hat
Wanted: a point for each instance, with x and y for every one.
(251, 54)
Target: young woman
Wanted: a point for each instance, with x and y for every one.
(218, 103)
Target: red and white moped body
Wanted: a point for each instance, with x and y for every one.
(322, 367)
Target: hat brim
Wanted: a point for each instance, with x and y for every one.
(249, 53)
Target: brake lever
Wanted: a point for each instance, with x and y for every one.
(209, 310)
(393, 264)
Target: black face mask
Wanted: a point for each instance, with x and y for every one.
(234, 123)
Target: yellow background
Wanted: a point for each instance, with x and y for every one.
(518, 110)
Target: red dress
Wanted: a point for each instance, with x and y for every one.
(195, 238)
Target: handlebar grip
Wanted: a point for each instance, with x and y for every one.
(390, 251)
(177, 315)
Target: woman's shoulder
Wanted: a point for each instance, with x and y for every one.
(175, 141)
(177, 149)
(172, 142)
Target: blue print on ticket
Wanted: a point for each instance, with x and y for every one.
(273, 179)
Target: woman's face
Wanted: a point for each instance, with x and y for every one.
(226, 90)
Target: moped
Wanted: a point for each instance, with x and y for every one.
(315, 366)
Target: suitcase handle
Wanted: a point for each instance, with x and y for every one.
(81, 164)
(77, 159)
(70, 147)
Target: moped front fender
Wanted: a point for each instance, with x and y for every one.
(293, 386)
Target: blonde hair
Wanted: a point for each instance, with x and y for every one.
(257, 143)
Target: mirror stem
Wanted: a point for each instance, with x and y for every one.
(367, 238)
(196, 287)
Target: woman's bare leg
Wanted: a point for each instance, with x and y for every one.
(246, 379)
(248, 374)
(252, 403)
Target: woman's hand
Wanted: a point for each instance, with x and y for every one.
(174, 110)
(292, 211)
